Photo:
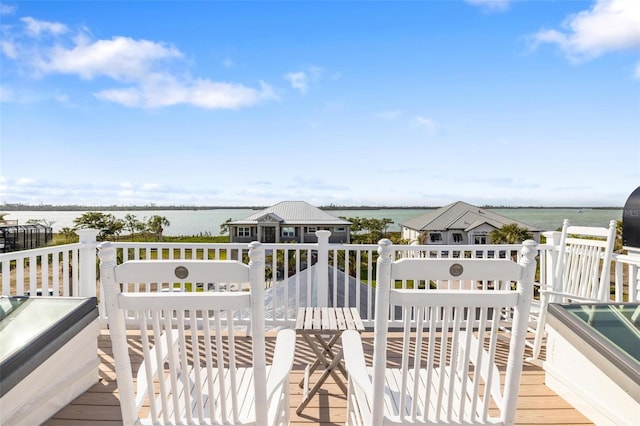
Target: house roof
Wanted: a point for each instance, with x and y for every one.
(293, 213)
(460, 215)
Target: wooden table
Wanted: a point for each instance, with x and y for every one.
(321, 328)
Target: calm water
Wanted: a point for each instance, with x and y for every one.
(197, 222)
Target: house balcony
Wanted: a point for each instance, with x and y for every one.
(307, 274)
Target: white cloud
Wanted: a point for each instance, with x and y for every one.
(150, 187)
(8, 47)
(302, 80)
(63, 98)
(130, 97)
(35, 27)
(6, 9)
(165, 90)
(610, 25)
(228, 63)
(120, 58)
(427, 123)
(491, 5)
(144, 65)
(299, 80)
(637, 71)
(25, 182)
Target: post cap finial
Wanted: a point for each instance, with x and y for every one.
(384, 249)
(256, 252)
(107, 253)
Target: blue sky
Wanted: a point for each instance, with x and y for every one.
(331, 102)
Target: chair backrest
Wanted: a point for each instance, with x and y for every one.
(584, 261)
(447, 332)
(186, 337)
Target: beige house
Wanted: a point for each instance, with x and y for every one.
(458, 223)
(289, 221)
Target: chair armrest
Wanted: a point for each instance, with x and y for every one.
(547, 293)
(282, 361)
(355, 363)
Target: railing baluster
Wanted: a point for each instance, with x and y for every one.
(61, 268)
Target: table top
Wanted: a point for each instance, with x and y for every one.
(328, 320)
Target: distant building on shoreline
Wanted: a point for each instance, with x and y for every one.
(289, 221)
(458, 223)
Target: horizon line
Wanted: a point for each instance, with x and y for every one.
(21, 206)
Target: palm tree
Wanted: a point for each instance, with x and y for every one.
(510, 233)
(132, 224)
(224, 226)
(156, 225)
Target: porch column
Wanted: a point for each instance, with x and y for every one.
(87, 262)
(322, 268)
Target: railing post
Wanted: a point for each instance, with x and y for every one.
(383, 277)
(322, 269)
(553, 239)
(87, 262)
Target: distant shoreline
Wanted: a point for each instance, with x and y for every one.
(46, 207)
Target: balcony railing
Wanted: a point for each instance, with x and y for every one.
(308, 274)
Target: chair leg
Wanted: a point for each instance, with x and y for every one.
(537, 341)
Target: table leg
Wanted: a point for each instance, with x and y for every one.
(328, 348)
(325, 374)
(326, 354)
(327, 361)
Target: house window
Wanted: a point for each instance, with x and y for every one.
(457, 238)
(435, 237)
(244, 231)
(341, 229)
(480, 239)
(288, 231)
(312, 229)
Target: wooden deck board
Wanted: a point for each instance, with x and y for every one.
(99, 406)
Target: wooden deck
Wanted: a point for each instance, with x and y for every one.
(99, 406)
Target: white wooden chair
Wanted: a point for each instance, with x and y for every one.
(582, 272)
(448, 372)
(195, 368)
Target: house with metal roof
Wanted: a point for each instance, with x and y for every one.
(458, 223)
(289, 221)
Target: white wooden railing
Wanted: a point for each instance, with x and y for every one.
(629, 281)
(65, 270)
(308, 274)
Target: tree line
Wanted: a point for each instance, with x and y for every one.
(364, 230)
(110, 227)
